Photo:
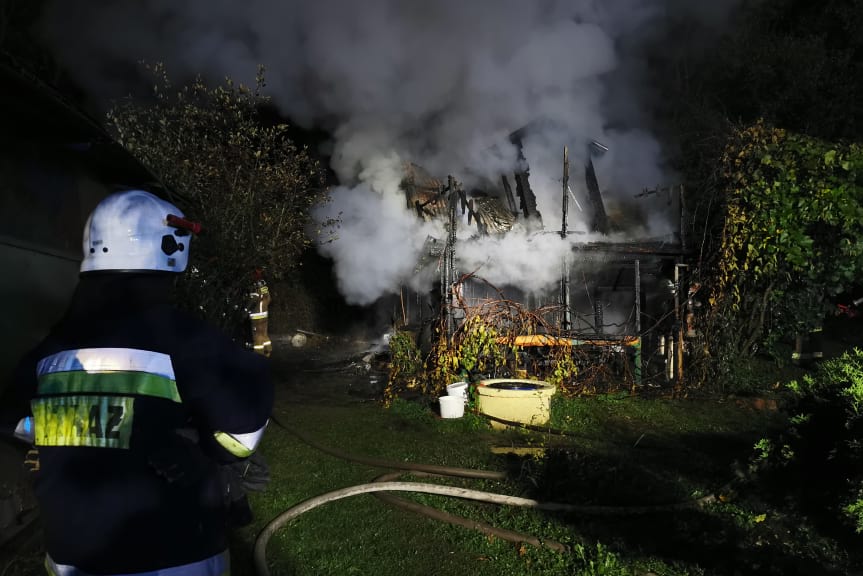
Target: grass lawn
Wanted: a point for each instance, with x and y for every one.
(622, 451)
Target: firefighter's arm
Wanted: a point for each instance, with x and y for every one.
(234, 409)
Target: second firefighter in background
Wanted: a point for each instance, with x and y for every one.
(257, 308)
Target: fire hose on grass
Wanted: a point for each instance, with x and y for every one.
(384, 483)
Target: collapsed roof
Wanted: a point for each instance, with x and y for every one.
(495, 208)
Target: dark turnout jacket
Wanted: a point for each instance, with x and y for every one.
(127, 395)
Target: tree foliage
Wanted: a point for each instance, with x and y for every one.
(247, 182)
(797, 65)
(792, 236)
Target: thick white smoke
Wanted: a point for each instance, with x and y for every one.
(535, 259)
(440, 83)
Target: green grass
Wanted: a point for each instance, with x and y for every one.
(629, 451)
(624, 451)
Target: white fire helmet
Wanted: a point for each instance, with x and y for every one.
(134, 231)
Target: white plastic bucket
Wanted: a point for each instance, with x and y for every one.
(451, 406)
(457, 389)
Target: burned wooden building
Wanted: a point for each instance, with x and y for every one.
(618, 299)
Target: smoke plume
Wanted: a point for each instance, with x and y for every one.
(440, 83)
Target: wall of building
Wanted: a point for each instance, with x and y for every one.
(38, 263)
(56, 163)
(55, 166)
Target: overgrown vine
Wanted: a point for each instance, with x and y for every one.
(792, 238)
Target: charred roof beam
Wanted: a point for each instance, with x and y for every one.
(510, 199)
(599, 217)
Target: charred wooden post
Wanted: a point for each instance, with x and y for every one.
(472, 215)
(598, 319)
(638, 297)
(638, 321)
(566, 314)
(678, 320)
(681, 193)
(449, 261)
(564, 195)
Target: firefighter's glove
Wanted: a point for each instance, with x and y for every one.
(254, 473)
(180, 461)
(234, 496)
(31, 460)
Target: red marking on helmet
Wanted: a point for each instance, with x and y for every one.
(177, 222)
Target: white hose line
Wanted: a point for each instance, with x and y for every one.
(302, 507)
(260, 553)
(455, 520)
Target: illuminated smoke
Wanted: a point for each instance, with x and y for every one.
(440, 83)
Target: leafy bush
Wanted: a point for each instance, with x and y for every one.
(754, 375)
(406, 365)
(792, 236)
(818, 459)
(474, 352)
(564, 369)
(247, 182)
(854, 511)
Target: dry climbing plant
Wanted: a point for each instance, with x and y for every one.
(484, 345)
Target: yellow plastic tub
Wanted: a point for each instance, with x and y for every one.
(514, 399)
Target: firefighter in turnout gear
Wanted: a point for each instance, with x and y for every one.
(257, 307)
(136, 409)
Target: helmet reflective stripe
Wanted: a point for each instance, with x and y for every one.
(241, 445)
(129, 231)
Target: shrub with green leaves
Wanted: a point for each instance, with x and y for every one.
(246, 181)
(474, 350)
(818, 458)
(791, 238)
(854, 511)
(406, 364)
